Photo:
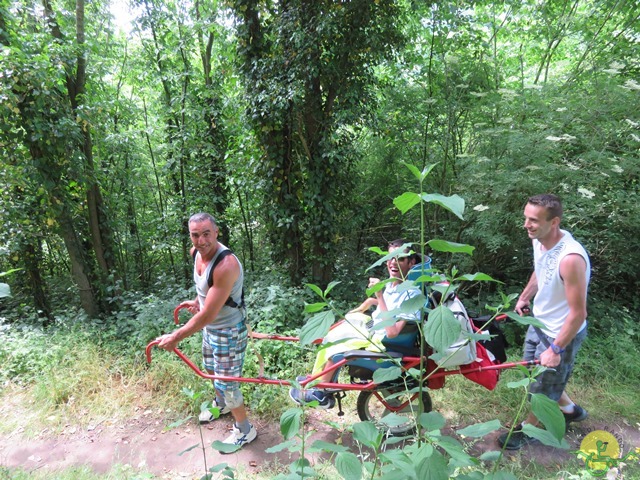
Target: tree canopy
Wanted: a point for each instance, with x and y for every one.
(290, 121)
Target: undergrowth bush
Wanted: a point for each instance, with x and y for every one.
(273, 306)
(143, 317)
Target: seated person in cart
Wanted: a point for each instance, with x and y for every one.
(354, 333)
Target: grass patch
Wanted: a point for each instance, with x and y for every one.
(118, 472)
(71, 376)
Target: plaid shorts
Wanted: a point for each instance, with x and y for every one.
(223, 353)
(552, 382)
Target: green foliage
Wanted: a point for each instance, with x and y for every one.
(486, 104)
(143, 317)
(557, 149)
(273, 306)
(17, 346)
(316, 82)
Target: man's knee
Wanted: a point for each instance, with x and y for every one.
(233, 398)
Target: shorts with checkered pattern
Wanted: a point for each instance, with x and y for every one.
(223, 353)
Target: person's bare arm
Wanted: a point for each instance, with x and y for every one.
(366, 305)
(524, 301)
(395, 329)
(573, 271)
(224, 276)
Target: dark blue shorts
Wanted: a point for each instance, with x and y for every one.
(552, 382)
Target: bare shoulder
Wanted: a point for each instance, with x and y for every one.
(573, 266)
(574, 260)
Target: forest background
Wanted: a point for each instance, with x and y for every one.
(291, 122)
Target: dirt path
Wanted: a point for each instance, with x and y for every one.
(143, 445)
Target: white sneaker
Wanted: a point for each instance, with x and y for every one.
(206, 416)
(241, 439)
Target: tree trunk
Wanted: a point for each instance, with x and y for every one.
(32, 257)
(79, 267)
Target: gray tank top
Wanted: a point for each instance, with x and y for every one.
(228, 316)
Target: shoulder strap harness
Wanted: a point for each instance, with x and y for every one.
(230, 301)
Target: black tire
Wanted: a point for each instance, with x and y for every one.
(374, 405)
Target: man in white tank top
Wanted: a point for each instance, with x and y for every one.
(558, 288)
(221, 321)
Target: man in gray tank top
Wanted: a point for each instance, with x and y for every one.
(218, 311)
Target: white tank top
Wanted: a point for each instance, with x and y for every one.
(550, 305)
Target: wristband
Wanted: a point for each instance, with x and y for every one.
(556, 349)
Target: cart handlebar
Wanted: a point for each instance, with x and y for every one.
(408, 362)
(176, 319)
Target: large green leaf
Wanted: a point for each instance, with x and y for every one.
(316, 327)
(442, 328)
(431, 421)
(399, 459)
(525, 320)
(490, 456)
(349, 466)
(316, 289)
(302, 468)
(390, 472)
(386, 256)
(367, 434)
(393, 420)
(477, 277)
(459, 458)
(523, 382)
(290, 422)
(10, 271)
(454, 203)
(5, 290)
(420, 175)
(330, 287)
(407, 309)
(544, 436)
(406, 201)
(450, 247)
(382, 375)
(549, 413)
(314, 307)
(289, 444)
(414, 170)
(322, 446)
(479, 429)
(376, 287)
(225, 447)
(433, 467)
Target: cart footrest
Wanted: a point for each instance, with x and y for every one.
(352, 354)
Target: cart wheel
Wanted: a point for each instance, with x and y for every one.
(374, 405)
